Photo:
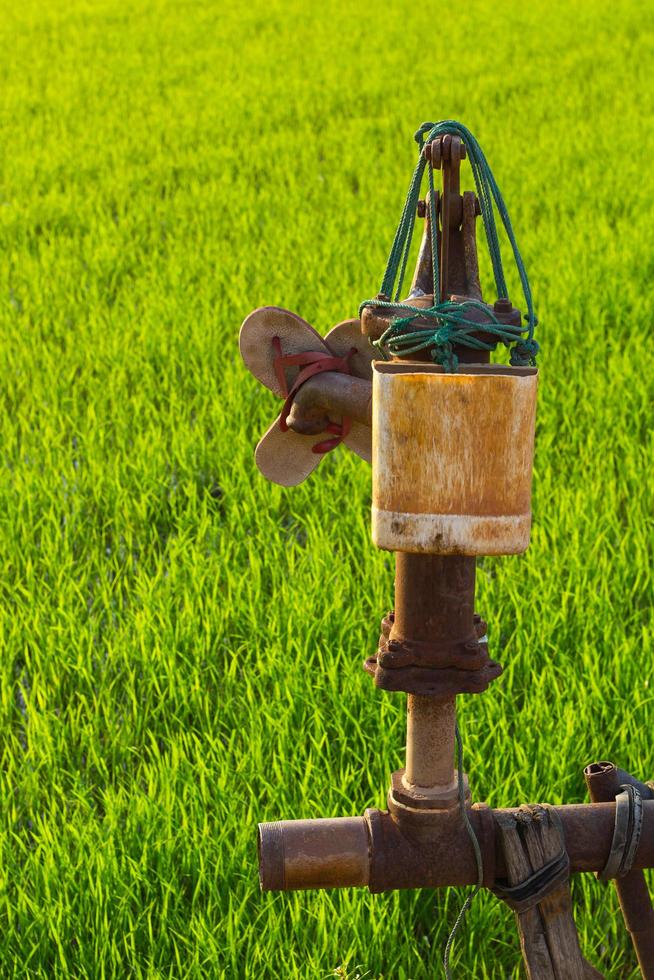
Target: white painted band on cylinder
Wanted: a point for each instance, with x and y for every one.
(451, 534)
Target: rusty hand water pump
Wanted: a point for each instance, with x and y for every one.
(408, 386)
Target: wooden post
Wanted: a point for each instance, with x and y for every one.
(548, 935)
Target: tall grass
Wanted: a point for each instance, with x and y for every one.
(181, 642)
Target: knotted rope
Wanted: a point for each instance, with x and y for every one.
(452, 323)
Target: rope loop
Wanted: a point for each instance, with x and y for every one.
(524, 348)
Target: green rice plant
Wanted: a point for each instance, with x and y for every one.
(181, 642)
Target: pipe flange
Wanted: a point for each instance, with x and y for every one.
(399, 654)
(433, 681)
(433, 668)
(425, 797)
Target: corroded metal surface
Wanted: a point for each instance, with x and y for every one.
(297, 854)
(372, 850)
(430, 747)
(604, 781)
(438, 796)
(433, 643)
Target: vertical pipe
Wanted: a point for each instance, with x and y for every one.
(430, 742)
(435, 594)
(603, 785)
(434, 602)
(434, 598)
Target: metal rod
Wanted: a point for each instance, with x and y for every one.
(603, 780)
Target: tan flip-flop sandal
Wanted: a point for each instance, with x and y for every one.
(278, 347)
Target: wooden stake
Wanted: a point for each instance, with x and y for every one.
(548, 935)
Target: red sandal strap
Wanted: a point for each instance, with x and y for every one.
(312, 363)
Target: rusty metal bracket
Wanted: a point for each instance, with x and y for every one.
(458, 259)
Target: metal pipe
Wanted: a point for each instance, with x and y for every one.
(327, 395)
(434, 598)
(328, 853)
(430, 743)
(372, 850)
(604, 780)
(434, 603)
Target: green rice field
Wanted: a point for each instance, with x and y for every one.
(181, 642)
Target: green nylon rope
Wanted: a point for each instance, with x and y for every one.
(451, 324)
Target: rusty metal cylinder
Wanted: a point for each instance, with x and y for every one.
(373, 851)
(327, 853)
(328, 395)
(434, 604)
(430, 742)
(452, 458)
(434, 598)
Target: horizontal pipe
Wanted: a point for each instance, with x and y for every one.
(372, 850)
(331, 853)
(328, 396)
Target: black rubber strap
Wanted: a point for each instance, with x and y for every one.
(533, 889)
(626, 833)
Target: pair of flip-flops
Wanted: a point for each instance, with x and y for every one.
(272, 341)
